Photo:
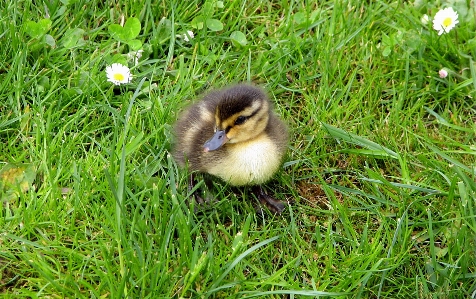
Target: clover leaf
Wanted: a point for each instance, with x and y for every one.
(37, 30)
(127, 33)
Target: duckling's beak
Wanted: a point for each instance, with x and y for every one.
(216, 141)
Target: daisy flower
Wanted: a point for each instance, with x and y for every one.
(445, 20)
(118, 74)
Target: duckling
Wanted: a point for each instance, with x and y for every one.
(234, 135)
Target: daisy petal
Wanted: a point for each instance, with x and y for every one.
(445, 20)
(118, 74)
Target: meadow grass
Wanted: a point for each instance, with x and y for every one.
(381, 163)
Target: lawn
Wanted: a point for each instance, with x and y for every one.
(380, 168)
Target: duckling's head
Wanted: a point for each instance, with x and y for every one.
(241, 114)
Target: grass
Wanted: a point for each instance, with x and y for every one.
(380, 164)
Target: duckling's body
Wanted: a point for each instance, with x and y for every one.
(248, 163)
(234, 135)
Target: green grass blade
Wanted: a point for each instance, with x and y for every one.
(372, 147)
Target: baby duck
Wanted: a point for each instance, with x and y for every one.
(234, 135)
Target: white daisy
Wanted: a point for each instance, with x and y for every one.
(118, 74)
(188, 36)
(445, 20)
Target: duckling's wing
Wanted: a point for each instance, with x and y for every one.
(278, 132)
(193, 128)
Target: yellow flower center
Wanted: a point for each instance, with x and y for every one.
(447, 22)
(119, 77)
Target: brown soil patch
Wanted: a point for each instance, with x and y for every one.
(314, 194)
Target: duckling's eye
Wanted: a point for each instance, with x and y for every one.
(240, 120)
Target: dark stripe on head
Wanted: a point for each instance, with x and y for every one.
(237, 99)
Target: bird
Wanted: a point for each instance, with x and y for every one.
(233, 134)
